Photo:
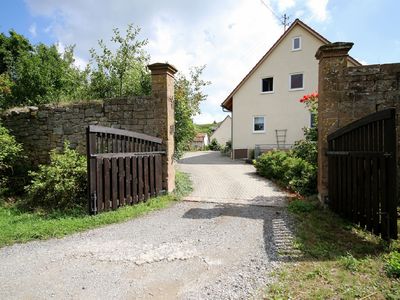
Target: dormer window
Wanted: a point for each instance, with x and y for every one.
(296, 43)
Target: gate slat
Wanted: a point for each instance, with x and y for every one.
(99, 177)
(121, 181)
(158, 170)
(114, 182)
(107, 187)
(146, 177)
(151, 174)
(134, 180)
(140, 178)
(128, 177)
(375, 196)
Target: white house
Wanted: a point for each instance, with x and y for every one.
(266, 112)
(223, 132)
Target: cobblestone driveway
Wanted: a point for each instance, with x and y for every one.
(219, 179)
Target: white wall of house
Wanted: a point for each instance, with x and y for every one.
(206, 140)
(280, 108)
(223, 133)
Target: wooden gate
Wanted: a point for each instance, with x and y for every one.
(124, 167)
(362, 174)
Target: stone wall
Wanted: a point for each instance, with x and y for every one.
(349, 93)
(41, 129)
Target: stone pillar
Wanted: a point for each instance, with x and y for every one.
(162, 79)
(333, 60)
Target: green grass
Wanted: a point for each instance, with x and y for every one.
(18, 226)
(340, 261)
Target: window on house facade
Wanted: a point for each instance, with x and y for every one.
(296, 81)
(259, 124)
(296, 43)
(267, 85)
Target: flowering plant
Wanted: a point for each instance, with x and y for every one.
(311, 101)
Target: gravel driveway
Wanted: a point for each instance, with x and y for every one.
(191, 250)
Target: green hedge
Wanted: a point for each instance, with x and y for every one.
(289, 170)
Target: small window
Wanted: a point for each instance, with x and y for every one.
(296, 43)
(296, 81)
(267, 85)
(259, 124)
(313, 120)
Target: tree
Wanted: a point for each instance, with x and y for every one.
(188, 96)
(121, 72)
(44, 75)
(11, 48)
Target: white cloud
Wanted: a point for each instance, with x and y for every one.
(318, 9)
(32, 30)
(229, 36)
(283, 5)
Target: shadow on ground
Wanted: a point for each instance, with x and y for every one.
(281, 237)
(209, 158)
(277, 234)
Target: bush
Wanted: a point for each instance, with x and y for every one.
(227, 149)
(300, 176)
(307, 150)
(214, 146)
(10, 155)
(289, 170)
(393, 264)
(270, 164)
(60, 185)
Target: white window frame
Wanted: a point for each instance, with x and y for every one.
(290, 82)
(266, 77)
(293, 48)
(254, 123)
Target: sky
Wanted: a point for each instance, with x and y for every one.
(228, 36)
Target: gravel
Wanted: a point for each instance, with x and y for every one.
(191, 250)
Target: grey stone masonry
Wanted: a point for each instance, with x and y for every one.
(41, 129)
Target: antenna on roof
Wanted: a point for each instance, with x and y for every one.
(284, 20)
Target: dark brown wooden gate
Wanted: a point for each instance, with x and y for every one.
(363, 173)
(124, 167)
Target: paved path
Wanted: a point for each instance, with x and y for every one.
(219, 179)
(191, 250)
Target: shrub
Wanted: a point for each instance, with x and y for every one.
(270, 164)
(307, 150)
(393, 264)
(226, 150)
(300, 176)
(293, 172)
(214, 146)
(60, 185)
(10, 154)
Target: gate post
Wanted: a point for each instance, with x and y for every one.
(333, 60)
(162, 80)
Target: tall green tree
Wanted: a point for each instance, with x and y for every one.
(44, 75)
(188, 96)
(121, 72)
(11, 48)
